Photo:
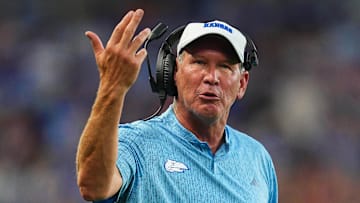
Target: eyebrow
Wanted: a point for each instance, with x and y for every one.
(229, 60)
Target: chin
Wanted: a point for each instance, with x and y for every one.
(209, 113)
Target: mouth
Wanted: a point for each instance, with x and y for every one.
(211, 96)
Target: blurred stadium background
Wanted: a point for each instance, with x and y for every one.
(303, 101)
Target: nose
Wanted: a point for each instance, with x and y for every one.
(211, 76)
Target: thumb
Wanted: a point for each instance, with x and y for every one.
(95, 42)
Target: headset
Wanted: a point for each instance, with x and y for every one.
(166, 62)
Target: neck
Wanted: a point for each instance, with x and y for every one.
(205, 129)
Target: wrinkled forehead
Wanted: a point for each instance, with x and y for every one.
(213, 42)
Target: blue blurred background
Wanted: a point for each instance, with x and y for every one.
(303, 101)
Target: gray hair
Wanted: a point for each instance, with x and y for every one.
(180, 58)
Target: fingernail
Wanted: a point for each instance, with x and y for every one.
(130, 13)
(87, 34)
(139, 11)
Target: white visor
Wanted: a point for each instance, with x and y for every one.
(194, 31)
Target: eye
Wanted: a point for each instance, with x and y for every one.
(200, 62)
(226, 66)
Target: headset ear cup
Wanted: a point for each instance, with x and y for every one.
(168, 71)
(251, 58)
(165, 73)
(165, 64)
(247, 64)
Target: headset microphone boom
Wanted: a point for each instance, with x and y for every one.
(156, 33)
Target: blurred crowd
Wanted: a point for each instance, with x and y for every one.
(303, 100)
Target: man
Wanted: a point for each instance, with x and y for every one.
(187, 154)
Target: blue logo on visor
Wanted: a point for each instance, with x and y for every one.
(219, 25)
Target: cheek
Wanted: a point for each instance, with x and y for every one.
(232, 89)
(185, 79)
(186, 85)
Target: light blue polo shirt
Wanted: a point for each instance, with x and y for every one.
(161, 161)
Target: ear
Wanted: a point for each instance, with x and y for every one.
(176, 68)
(244, 79)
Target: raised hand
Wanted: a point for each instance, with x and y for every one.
(120, 61)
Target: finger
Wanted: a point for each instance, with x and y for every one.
(119, 29)
(141, 55)
(95, 42)
(131, 28)
(139, 40)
